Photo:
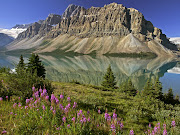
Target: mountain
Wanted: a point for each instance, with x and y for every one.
(112, 29)
(5, 39)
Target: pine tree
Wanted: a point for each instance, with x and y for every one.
(36, 66)
(20, 69)
(169, 98)
(109, 79)
(130, 88)
(148, 89)
(158, 89)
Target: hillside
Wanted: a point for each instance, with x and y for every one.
(112, 29)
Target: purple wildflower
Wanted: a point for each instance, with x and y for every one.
(14, 105)
(165, 132)
(64, 119)
(80, 111)
(173, 123)
(11, 113)
(19, 104)
(113, 128)
(51, 108)
(68, 126)
(47, 98)
(88, 112)
(33, 88)
(6, 97)
(84, 120)
(1, 98)
(149, 125)
(43, 107)
(61, 96)
(164, 125)
(73, 119)
(131, 132)
(52, 97)
(155, 129)
(57, 101)
(88, 119)
(68, 99)
(99, 111)
(54, 111)
(40, 90)
(27, 101)
(4, 132)
(37, 109)
(114, 116)
(106, 116)
(121, 125)
(26, 107)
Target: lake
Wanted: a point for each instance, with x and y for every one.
(90, 69)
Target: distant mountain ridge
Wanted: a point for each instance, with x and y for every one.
(112, 29)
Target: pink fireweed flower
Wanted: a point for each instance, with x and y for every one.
(26, 107)
(99, 111)
(6, 97)
(114, 116)
(40, 90)
(88, 112)
(57, 101)
(73, 119)
(149, 125)
(88, 119)
(113, 128)
(165, 132)
(51, 108)
(37, 109)
(173, 123)
(11, 113)
(131, 132)
(84, 120)
(44, 91)
(42, 94)
(61, 96)
(109, 118)
(27, 101)
(43, 107)
(68, 99)
(69, 105)
(4, 132)
(52, 97)
(80, 111)
(61, 107)
(33, 88)
(35, 102)
(40, 117)
(19, 104)
(106, 116)
(54, 111)
(1, 98)
(164, 125)
(47, 98)
(155, 129)
(14, 105)
(64, 119)
(58, 128)
(68, 126)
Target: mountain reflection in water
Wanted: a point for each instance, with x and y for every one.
(90, 70)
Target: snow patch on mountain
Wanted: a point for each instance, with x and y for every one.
(14, 32)
(175, 40)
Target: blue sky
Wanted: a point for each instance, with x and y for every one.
(164, 14)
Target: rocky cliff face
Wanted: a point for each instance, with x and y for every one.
(89, 28)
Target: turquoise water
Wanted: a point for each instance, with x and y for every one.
(90, 70)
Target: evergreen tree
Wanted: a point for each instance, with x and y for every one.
(169, 98)
(21, 65)
(158, 89)
(36, 66)
(109, 79)
(129, 88)
(148, 89)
